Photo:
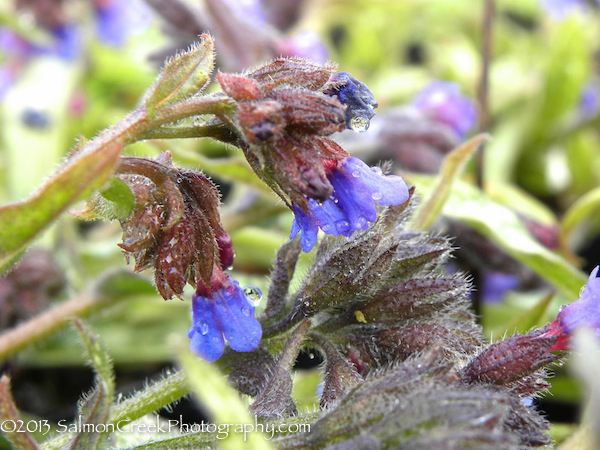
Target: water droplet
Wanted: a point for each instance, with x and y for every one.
(356, 173)
(360, 223)
(179, 180)
(306, 304)
(246, 311)
(376, 196)
(203, 328)
(327, 228)
(359, 124)
(311, 355)
(377, 170)
(342, 226)
(253, 295)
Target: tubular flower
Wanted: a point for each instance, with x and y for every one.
(443, 102)
(352, 205)
(222, 312)
(284, 111)
(585, 312)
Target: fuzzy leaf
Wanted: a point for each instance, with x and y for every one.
(210, 387)
(183, 76)
(9, 415)
(22, 222)
(115, 201)
(94, 409)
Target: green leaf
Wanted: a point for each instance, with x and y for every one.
(94, 409)
(503, 227)
(224, 404)
(153, 397)
(584, 208)
(452, 167)
(115, 201)
(531, 318)
(183, 76)
(21, 222)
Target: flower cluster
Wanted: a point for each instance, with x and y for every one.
(175, 226)
(284, 111)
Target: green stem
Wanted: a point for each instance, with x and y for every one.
(48, 322)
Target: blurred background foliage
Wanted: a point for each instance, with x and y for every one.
(522, 236)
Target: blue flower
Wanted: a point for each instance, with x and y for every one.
(306, 44)
(225, 314)
(589, 100)
(443, 102)
(117, 20)
(358, 98)
(561, 9)
(496, 285)
(583, 312)
(357, 188)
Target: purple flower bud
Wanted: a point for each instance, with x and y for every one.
(443, 102)
(497, 284)
(225, 313)
(358, 98)
(584, 312)
(306, 44)
(117, 20)
(248, 9)
(357, 188)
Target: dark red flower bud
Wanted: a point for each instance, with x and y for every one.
(175, 227)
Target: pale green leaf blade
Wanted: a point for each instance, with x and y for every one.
(452, 167)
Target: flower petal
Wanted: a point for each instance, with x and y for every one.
(207, 338)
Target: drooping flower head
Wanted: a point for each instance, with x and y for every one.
(357, 188)
(175, 227)
(222, 312)
(585, 312)
(443, 102)
(284, 111)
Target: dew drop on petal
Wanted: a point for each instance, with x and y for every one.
(327, 228)
(377, 170)
(359, 124)
(356, 173)
(342, 226)
(203, 328)
(246, 311)
(253, 295)
(360, 223)
(376, 196)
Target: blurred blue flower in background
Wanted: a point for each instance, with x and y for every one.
(589, 100)
(443, 102)
(561, 9)
(356, 190)
(226, 313)
(496, 285)
(117, 20)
